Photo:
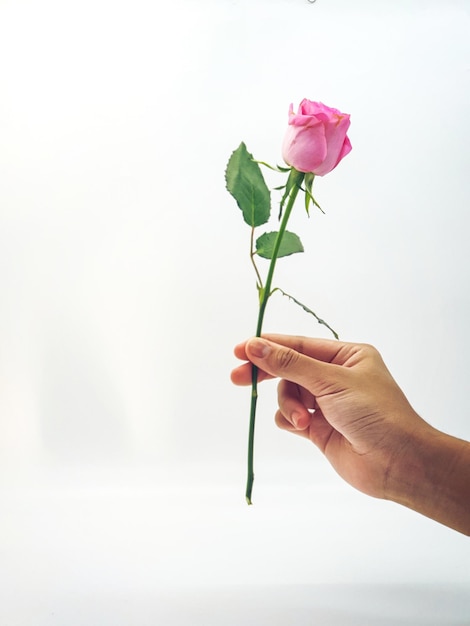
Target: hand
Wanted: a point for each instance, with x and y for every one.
(341, 397)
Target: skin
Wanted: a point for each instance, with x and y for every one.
(343, 399)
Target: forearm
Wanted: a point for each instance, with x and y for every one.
(432, 477)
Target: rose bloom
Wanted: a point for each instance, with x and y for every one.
(316, 139)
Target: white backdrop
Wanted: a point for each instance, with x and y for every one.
(125, 283)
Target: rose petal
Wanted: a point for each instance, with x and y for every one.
(305, 148)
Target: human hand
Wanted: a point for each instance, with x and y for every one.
(340, 396)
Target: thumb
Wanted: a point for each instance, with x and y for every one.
(285, 362)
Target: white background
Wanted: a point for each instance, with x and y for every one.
(125, 283)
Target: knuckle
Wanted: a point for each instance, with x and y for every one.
(370, 350)
(281, 421)
(286, 359)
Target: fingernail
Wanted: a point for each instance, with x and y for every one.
(296, 418)
(259, 347)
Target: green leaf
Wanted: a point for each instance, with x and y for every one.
(290, 244)
(246, 184)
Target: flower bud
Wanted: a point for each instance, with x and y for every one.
(316, 139)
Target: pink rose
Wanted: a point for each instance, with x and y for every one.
(316, 139)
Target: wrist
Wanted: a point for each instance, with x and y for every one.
(431, 475)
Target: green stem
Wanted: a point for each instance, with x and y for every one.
(307, 310)
(252, 257)
(264, 294)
